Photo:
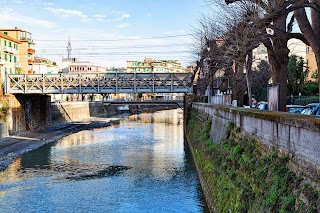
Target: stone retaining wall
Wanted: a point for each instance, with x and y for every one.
(290, 134)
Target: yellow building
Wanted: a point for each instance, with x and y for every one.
(9, 55)
(312, 63)
(150, 65)
(26, 50)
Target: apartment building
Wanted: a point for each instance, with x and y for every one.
(9, 55)
(296, 47)
(44, 66)
(73, 65)
(312, 63)
(26, 48)
(150, 65)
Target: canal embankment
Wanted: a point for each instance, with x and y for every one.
(255, 161)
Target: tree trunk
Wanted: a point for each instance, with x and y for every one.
(279, 58)
(311, 33)
(248, 76)
(238, 86)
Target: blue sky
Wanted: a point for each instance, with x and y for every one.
(108, 32)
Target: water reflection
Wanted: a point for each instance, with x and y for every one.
(137, 166)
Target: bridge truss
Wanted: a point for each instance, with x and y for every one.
(98, 83)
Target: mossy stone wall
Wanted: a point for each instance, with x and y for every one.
(240, 174)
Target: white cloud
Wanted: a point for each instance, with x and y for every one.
(99, 16)
(48, 3)
(123, 16)
(66, 13)
(8, 15)
(148, 14)
(125, 25)
(18, 2)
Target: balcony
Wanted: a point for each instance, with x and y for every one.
(2, 62)
(10, 50)
(30, 50)
(30, 61)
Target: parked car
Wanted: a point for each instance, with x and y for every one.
(262, 105)
(295, 108)
(312, 109)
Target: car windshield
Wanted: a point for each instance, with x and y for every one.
(310, 110)
(295, 109)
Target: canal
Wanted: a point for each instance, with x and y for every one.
(140, 165)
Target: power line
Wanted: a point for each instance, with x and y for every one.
(126, 39)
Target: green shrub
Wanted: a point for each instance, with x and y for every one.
(242, 179)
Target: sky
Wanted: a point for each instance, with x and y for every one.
(107, 32)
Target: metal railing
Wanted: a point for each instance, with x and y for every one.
(98, 83)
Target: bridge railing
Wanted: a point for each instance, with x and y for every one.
(99, 83)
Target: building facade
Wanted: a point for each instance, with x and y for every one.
(312, 63)
(150, 65)
(296, 47)
(73, 65)
(25, 48)
(9, 55)
(44, 66)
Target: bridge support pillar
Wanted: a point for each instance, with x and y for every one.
(36, 110)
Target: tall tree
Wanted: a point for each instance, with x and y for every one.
(260, 78)
(311, 28)
(274, 16)
(297, 75)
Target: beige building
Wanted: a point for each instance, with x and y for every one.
(296, 47)
(25, 49)
(9, 55)
(312, 63)
(150, 65)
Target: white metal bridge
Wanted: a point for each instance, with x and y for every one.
(98, 83)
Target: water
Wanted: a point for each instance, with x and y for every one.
(141, 165)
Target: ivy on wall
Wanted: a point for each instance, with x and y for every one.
(244, 178)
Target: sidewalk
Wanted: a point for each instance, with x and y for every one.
(18, 144)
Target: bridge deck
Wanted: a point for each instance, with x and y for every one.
(145, 102)
(98, 83)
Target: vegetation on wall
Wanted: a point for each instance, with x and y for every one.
(243, 179)
(4, 110)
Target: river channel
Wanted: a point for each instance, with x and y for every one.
(140, 165)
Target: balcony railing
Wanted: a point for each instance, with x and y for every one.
(10, 50)
(30, 50)
(2, 62)
(18, 65)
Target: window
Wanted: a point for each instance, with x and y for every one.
(5, 42)
(10, 58)
(10, 44)
(6, 33)
(5, 57)
(10, 70)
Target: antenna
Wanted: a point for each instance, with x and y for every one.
(69, 48)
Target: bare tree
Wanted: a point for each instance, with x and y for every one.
(274, 16)
(226, 41)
